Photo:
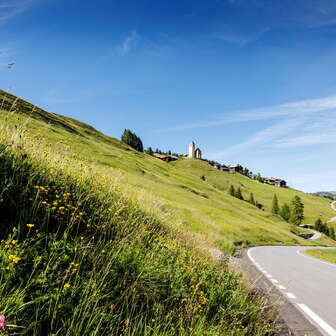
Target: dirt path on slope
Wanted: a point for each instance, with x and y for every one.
(333, 206)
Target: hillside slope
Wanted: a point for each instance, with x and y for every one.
(79, 259)
(173, 192)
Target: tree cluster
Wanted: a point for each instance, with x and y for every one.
(259, 178)
(238, 194)
(324, 228)
(132, 140)
(149, 151)
(293, 213)
(169, 152)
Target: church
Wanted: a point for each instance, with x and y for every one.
(194, 153)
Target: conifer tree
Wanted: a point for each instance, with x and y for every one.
(275, 205)
(331, 233)
(319, 225)
(149, 151)
(297, 211)
(132, 140)
(232, 190)
(238, 194)
(285, 212)
(252, 200)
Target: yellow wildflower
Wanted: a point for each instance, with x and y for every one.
(30, 225)
(14, 242)
(67, 285)
(14, 258)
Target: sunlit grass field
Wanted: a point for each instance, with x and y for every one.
(98, 239)
(323, 254)
(82, 254)
(173, 192)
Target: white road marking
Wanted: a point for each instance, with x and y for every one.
(291, 296)
(322, 324)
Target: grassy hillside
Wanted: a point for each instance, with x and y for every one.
(78, 258)
(173, 192)
(329, 194)
(98, 239)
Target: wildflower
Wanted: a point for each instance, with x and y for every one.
(30, 225)
(67, 285)
(61, 208)
(2, 322)
(14, 242)
(14, 258)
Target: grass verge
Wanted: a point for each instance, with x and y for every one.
(323, 254)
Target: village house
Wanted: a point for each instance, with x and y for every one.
(221, 167)
(276, 182)
(224, 168)
(235, 169)
(165, 157)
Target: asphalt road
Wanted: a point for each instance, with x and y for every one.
(310, 284)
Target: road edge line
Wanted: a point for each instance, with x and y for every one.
(321, 323)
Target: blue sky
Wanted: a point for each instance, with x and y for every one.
(251, 81)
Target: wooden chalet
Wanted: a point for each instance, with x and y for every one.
(235, 169)
(165, 157)
(276, 182)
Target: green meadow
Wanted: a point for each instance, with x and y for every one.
(98, 239)
(174, 192)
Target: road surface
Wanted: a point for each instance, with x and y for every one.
(310, 284)
(333, 205)
(317, 235)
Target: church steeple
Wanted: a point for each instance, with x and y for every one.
(192, 147)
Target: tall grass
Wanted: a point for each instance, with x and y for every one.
(77, 258)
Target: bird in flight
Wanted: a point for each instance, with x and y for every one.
(10, 65)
